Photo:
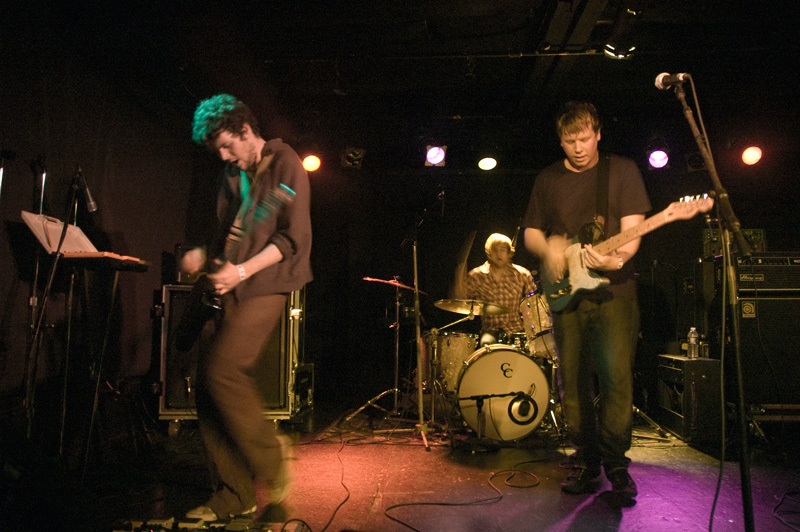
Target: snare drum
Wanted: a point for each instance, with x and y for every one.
(508, 388)
(451, 350)
(538, 326)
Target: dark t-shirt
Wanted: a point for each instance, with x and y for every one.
(563, 201)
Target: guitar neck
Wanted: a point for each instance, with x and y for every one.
(265, 210)
(651, 224)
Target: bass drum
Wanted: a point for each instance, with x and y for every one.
(502, 393)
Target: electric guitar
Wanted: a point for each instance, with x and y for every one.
(204, 301)
(580, 278)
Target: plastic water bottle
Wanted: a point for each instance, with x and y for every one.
(693, 346)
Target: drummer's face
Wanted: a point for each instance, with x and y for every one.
(500, 255)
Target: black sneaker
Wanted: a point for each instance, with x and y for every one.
(581, 480)
(622, 483)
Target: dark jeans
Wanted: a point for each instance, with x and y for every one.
(241, 444)
(596, 343)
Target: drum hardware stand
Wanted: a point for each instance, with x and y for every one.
(558, 425)
(658, 428)
(396, 325)
(470, 316)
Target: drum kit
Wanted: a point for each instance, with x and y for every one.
(501, 391)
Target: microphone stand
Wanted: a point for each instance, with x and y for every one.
(38, 318)
(730, 223)
(31, 362)
(421, 427)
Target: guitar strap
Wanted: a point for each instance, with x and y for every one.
(216, 246)
(602, 196)
(592, 233)
(238, 229)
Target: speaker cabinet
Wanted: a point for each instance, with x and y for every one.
(770, 340)
(286, 383)
(689, 398)
(767, 306)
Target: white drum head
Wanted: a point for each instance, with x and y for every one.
(511, 389)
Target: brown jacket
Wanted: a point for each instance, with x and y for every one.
(290, 230)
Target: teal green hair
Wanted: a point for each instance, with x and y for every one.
(222, 112)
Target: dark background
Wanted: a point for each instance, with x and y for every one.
(111, 87)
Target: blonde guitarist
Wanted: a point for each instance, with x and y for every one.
(589, 197)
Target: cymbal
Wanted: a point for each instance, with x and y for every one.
(476, 306)
(393, 283)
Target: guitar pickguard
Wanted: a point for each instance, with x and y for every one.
(578, 278)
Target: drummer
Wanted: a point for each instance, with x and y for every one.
(497, 281)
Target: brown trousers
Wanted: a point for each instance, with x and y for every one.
(241, 445)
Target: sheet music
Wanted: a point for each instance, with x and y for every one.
(76, 244)
(48, 231)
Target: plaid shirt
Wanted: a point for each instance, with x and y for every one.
(516, 283)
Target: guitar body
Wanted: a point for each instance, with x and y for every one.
(579, 278)
(195, 315)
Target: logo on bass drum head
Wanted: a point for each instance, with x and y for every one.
(522, 409)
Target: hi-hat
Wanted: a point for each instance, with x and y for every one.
(393, 283)
(471, 306)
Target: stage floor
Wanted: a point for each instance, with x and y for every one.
(369, 473)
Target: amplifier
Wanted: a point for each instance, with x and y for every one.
(689, 398)
(286, 383)
(712, 243)
(770, 349)
(768, 272)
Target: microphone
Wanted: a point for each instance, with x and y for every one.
(441, 199)
(91, 205)
(665, 80)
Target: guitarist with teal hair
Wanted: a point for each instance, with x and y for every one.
(574, 204)
(259, 255)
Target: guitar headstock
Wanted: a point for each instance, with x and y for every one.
(688, 206)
